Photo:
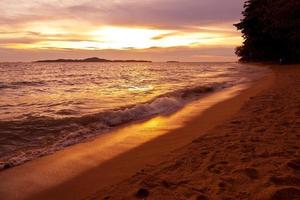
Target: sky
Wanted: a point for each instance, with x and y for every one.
(157, 30)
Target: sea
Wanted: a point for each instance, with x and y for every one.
(45, 107)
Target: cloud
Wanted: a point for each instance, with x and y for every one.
(162, 36)
(164, 13)
(187, 54)
(40, 23)
(173, 12)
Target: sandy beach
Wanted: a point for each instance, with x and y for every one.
(150, 100)
(254, 155)
(241, 143)
(113, 157)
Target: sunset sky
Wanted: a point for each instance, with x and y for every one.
(158, 30)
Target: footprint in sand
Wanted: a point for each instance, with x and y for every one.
(286, 180)
(291, 190)
(288, 193)
(294, 164)
(251, 173)
(218, 167)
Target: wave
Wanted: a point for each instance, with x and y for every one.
(18, 84)
(38, 136)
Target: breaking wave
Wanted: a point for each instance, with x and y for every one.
(38, 136)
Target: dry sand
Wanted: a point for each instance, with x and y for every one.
(255, 155)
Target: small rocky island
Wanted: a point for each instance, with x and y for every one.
(92, 59)
(172, 61)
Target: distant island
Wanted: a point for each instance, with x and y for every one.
(93, 59)
(172, 61)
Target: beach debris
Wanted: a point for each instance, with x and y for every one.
(201, 197)
(7, 165)
(142, 193)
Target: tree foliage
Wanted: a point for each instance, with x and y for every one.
(271, 31)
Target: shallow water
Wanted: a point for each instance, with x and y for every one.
(47, 106)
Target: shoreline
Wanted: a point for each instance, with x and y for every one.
(36, 136)
(255, 155)
(87, 170)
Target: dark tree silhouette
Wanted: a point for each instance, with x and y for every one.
(271, 31)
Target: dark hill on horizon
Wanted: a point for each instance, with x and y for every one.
(92, 59)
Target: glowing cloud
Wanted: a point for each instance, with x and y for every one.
(110, 37)
(126, 25)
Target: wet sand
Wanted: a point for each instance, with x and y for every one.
(255, 155)
(84, 170)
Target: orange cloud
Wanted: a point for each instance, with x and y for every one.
(127, 25)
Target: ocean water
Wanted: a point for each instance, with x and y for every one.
(45, 107)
